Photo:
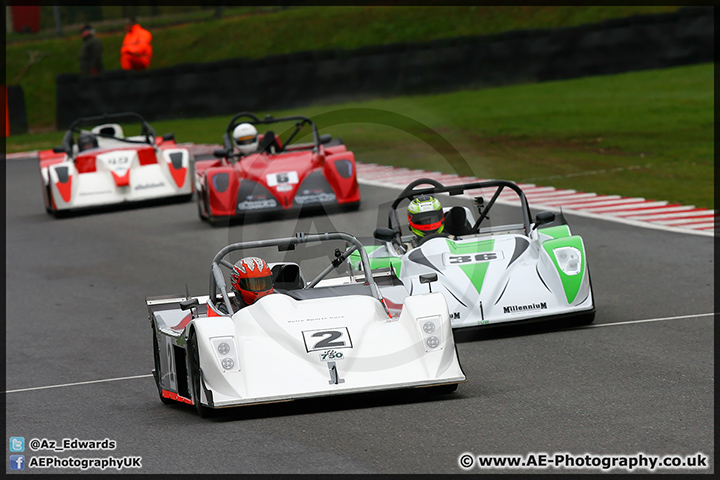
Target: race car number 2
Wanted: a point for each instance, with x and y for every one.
(330, 338)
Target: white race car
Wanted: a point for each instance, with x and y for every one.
(102, 166)
(328, 336)
(488, 274)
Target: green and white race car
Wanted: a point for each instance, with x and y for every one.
(487, 274)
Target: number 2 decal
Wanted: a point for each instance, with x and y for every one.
(328, 341)
(327, 338)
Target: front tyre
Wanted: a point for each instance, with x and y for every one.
(156, 371)
(194, 360)
(444, 389)
(587, 318)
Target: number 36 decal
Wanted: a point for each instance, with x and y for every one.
(327, 338)
(472, 258)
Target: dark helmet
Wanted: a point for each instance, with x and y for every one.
(86, 141)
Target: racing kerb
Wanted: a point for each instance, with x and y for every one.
(635, 211)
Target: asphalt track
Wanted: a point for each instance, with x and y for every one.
(75, 313)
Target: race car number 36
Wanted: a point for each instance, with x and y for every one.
(450, 259)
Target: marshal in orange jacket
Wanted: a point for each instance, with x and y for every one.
(136, 51)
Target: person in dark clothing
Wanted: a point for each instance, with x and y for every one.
(90, 53)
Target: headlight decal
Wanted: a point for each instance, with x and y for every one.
(568, 256)
(431, 332)
(225, 352)
(175, 162)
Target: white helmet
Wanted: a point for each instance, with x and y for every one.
(246, 138)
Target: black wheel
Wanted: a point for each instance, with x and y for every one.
(352, 207)
(60, 213)
(586, 318)
(200, 209)
(444, 389)
(194, 360)
(46, 200)
(156, 371)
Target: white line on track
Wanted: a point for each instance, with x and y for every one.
(629, 322)
(664, 319)
(78, 383)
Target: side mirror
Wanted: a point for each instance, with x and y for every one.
(325, 138)
(189, 303)
(456, 190)
(428, 278)
(221, 153)
(544, 218)
(59, 150)
(168, 136)
(384, 234)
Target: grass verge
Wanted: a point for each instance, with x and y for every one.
(648, 134)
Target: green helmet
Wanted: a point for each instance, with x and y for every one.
(425, 215)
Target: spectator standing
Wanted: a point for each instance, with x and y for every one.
(90, 53)
(136, 51)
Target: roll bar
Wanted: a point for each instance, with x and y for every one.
(269, 119)
(437, 187)
(217, 280)
(147, 130)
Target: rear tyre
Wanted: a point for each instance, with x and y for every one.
(156, 371)
(194, 360)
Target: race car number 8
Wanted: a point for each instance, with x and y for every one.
(328, 338)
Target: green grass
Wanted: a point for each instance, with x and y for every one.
(253, 35)
(647, 134)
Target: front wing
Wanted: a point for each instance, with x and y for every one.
(283, 349)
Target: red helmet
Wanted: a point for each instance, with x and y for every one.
(252, 279)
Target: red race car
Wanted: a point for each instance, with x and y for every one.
(266, 173)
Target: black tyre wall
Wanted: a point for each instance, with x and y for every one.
(298, 79)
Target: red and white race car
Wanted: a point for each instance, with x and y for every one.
(101, 166)
(267, 173)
